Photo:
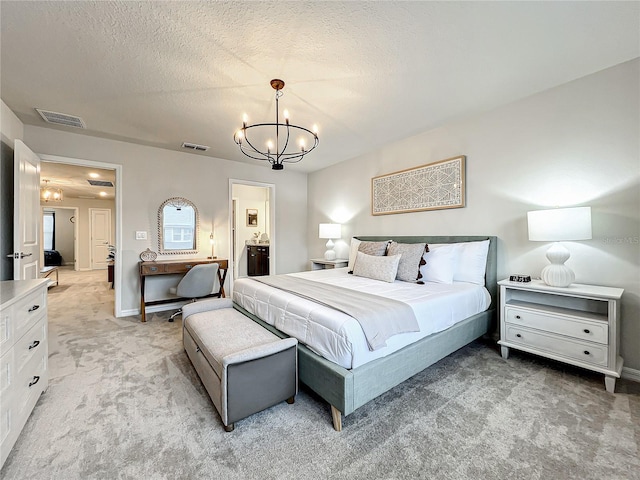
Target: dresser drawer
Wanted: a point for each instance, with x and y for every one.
(32, 343)
(592, 331)
(28, 311)
(586, 352)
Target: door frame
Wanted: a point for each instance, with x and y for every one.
(117, 284)
(272, 223)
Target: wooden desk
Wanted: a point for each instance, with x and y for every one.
(172, 267)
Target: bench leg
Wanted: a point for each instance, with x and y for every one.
(229, 428)
(336, 415)
(290, 400)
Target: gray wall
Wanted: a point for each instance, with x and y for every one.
(151, 175)
(83, 222)
(576, 144)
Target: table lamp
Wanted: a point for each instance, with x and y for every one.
(330, 231)
(557, 225)
(211, 241)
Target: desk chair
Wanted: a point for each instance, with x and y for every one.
(197, 283)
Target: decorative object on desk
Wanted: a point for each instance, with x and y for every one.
(330, 231)
(50, 194)
(434, 186)
(211, 241)
(556, 225)
(148, 255)
(252, 217)
(263, 134)
(519, 278)
(112, 253)
(178, 226)
(264, 238)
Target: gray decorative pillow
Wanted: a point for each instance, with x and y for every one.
(412, 253)
(377, 267)
(373, 248)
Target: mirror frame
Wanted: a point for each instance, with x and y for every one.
(177, 202)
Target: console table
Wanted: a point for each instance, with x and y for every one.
(173, 267)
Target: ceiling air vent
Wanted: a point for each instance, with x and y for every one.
(100, 183)
(61, 118)
(195, 146)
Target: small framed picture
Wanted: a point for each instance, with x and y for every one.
(252, 217)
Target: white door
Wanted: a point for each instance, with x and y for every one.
(100, 237)
(27, 214)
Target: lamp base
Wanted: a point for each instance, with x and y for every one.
(557, 274)
(330, 254)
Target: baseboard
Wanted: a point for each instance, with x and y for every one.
(631, 374)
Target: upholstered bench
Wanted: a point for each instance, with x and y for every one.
(244, 367)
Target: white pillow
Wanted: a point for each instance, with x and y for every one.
(472, 262)
(353, 250)
(441, 263)
(377, 267)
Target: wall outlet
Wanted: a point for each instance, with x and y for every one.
(141, 235)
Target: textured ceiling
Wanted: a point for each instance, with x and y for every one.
(367, 73)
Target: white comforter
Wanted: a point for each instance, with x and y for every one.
(337, 336)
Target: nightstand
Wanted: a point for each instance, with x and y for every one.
(578, 324)
(321, 263)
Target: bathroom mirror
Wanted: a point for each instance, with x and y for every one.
(178, 225)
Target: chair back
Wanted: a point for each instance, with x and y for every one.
(199, 281)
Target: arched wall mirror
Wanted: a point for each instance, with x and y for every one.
(178, 226)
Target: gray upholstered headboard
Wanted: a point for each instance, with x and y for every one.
(491, 274)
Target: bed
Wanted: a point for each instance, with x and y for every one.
(347, 389)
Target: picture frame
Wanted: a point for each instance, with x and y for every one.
(434, 186)
(252, 217)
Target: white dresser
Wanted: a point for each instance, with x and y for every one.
(578, 324)
(23, 355)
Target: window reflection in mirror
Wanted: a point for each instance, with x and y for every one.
(178, 226)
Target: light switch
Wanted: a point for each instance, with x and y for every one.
(141, 235)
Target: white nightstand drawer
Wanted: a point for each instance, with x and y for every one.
(581, 329)
(586, 352)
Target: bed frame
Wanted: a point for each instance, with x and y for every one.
(346, 390)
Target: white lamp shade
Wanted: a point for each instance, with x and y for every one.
(330, 230)
(560, 224)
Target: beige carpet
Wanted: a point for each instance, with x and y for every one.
(124, 402)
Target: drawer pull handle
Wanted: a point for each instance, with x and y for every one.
(34, 308)
(586, 330)
(188, 266)
(518, 317)
(34, 344)
(35, 380)
(586, 352)
(518, 335)
(154, 269)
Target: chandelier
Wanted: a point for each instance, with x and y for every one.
(283, 150)
(49, 194)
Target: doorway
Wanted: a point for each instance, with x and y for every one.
(96, 186)
(60, 234)
(252, 221)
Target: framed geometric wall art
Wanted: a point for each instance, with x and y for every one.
(428, 187)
